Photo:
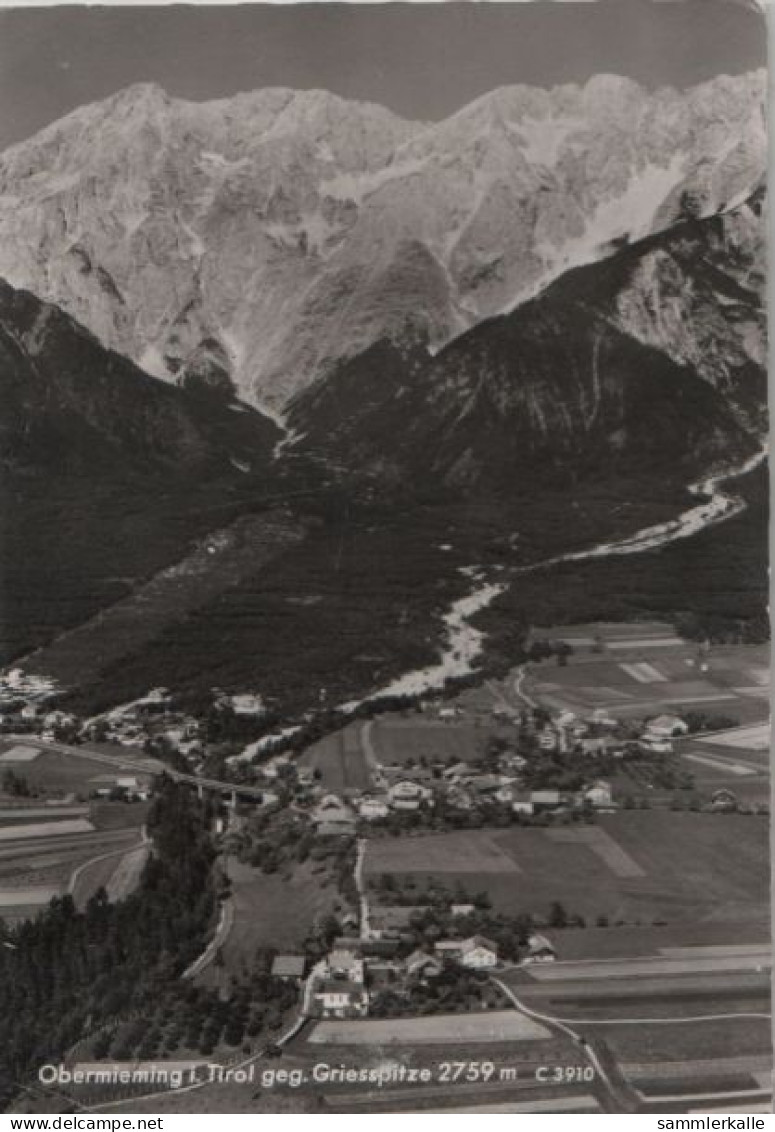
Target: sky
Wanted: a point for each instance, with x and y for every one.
(423, 61)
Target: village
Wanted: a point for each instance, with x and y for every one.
(490, 758)
(536, 762)
(421, 866)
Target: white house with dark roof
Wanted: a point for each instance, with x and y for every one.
(539, 950)
(371, 807)
(331, 816)
(479, 953)
(408, 795)
(599, 794)
(666, 726)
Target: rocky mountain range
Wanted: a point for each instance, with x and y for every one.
(256, 242)
(650, 361)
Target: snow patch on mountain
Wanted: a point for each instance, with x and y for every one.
(298, 228)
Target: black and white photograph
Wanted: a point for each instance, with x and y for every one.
(384, 631)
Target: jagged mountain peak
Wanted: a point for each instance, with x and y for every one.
(296, 227)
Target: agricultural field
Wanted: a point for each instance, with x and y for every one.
(755, 739)
(341, 760)
(713, 767)
(491, 1026)
(52, 772)
(633, 867)
(398, 741)
(551, 1047)
(658, 1000)
(748, 1072)
(632, 672)
(48, 847)
(689, 1042)
(657, 939)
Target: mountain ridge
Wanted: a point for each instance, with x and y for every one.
(653, 359)
(296, 228)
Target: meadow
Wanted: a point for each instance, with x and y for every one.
(271, 910)
(632, 678)
(340, 759)
(634, 867)
(398, 740)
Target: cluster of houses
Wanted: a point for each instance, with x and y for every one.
(565, 733)
(465, 787)
(342, 984)
(27, 698)
(125, 788)
(151, 717)
(460, 788)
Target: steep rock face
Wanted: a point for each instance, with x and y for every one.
(72, 407)
(699, 296)
(650, 361)
(296, 229)
(206, 371)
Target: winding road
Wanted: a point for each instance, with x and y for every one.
(615, 1094)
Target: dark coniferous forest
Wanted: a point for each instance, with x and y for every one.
(65, 973)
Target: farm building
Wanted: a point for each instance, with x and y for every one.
(331, 817)
(345, 960)
(132, 788)
(247, 704)
(459, 798)
(408, 795)
(477, 952)
(462, 909)
(420, 965)
(666, 726)
(599, 794)
(340, 998)
(522, 802)
(723, 801)
(290, 968)
(373, 806)
(545, 799)
(539, 950)
(391, 921)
